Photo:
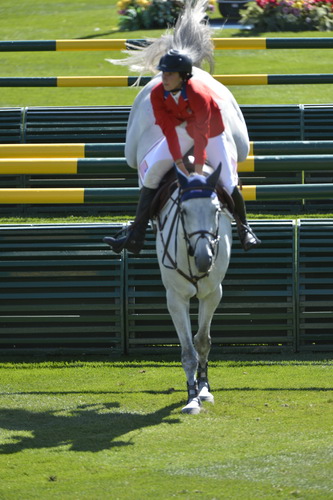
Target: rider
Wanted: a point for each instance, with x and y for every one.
(188, 114)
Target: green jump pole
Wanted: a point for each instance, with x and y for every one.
(70, 166)
(295, 191)
(291, 147)
(107, 150)
(67, 150)
(122, 44)
(64, 166)
(128, 81)
(130, 195)
(115, 166)
(289, 163)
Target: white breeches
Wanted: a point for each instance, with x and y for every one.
(158, 160)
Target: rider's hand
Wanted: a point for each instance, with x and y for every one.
(198, 168)
(181, 166)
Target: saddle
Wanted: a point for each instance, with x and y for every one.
(169, 185)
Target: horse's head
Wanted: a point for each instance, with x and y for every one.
(200, 210)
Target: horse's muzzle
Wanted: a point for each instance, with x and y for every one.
(203, 259)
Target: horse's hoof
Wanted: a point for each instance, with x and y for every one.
(206, 396)
(193, 407)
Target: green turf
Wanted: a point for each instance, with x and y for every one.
(111, 219)
(51, 20)
(113, 429)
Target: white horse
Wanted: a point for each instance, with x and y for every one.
(193, 244)
(195, 217)
(193, 231)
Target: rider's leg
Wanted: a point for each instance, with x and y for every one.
(152, 169)
(134, 240)
(247, 237)
(218, 151)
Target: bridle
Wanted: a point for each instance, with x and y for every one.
(213, 238)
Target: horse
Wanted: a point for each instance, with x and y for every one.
(193, 241)
(193, 245)
(198, 225)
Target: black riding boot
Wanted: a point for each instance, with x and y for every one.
(134, 240)
(247, 237)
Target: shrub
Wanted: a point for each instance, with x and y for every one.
(289, 15)
(147, 14)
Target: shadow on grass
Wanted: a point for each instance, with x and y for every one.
(88, 428)
(98, 35)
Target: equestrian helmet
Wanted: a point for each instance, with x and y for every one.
(175, 61)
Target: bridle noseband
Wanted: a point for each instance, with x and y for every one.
(213, 238)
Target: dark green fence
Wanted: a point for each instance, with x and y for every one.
(258, 309)
(108, 123)
(315, 285)
(62, 290)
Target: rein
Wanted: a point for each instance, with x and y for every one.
(178, 218)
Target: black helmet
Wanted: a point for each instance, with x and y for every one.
(174, 61)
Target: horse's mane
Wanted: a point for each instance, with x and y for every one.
(191, 35)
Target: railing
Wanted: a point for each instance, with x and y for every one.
(62, 289)
(124, 44)
(128, 81)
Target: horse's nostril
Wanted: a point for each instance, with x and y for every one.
(203, 263)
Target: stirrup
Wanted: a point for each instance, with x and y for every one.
(127, 242)
(116, 244)
(247, 237)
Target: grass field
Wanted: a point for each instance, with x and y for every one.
(112, 429)
(51, 20)
(103, 429)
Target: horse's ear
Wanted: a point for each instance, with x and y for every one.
(182, 178)
(214, 177)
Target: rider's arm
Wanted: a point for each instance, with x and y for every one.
(167, 121)
(198, 125)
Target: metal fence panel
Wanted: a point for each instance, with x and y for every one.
(257, 312)
(315, 261)
(60, 289)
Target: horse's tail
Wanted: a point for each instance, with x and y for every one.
(191, 35)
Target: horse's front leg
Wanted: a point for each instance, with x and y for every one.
(179, 309)
(202, 340)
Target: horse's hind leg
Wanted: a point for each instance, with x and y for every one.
(179, 311)
(202, 341)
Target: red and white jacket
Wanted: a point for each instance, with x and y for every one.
(196, 106)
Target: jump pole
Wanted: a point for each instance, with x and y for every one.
(130, 195)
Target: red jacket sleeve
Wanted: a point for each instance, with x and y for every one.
(166, 120)
(198, 124)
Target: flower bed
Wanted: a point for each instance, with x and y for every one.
(289, 15)
(148, 14)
